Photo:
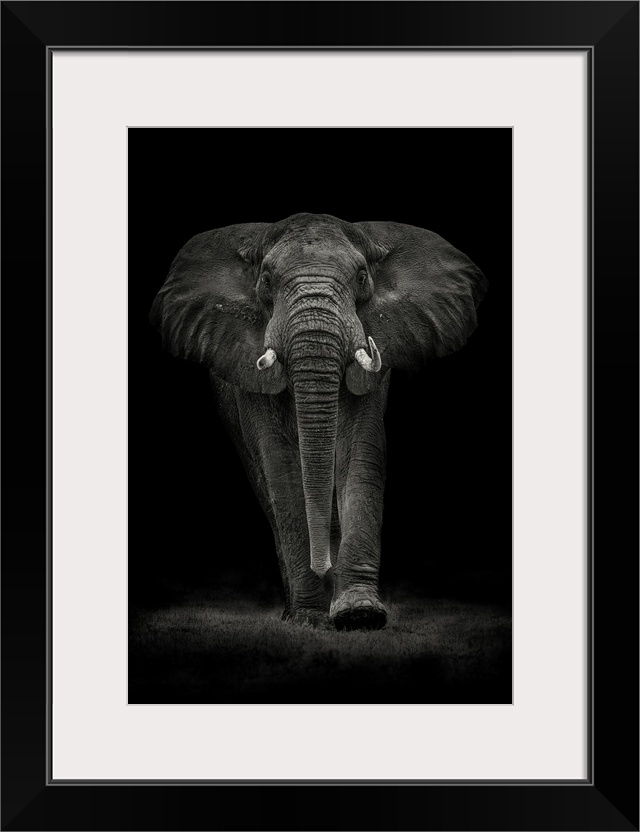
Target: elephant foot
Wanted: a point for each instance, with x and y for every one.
(318, 619)
(358, 608)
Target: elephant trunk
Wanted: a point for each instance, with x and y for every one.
(316, 360)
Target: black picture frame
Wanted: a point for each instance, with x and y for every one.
(608, 798)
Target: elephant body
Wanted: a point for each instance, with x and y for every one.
(300, 323)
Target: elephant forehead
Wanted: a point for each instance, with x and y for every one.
(313, 244)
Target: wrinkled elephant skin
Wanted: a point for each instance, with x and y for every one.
(299, 323)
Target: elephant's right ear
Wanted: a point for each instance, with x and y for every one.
(207, 311)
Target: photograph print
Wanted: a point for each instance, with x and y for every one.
(320, 404)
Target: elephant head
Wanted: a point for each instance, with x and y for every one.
(311, 302)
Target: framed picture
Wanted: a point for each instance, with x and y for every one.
(453, 185)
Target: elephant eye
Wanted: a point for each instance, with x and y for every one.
(362, 277)
(264, 286)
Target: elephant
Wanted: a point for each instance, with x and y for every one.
(299, 323)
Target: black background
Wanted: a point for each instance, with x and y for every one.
(193, 518)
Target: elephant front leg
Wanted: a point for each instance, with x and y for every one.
(360, 477)
(356, 602)
(269, 453)
(309, 596)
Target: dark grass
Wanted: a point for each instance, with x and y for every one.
(228, 649)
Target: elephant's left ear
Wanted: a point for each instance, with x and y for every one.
(425, 297)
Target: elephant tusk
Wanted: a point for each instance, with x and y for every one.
(373, 364)
(267, 360)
